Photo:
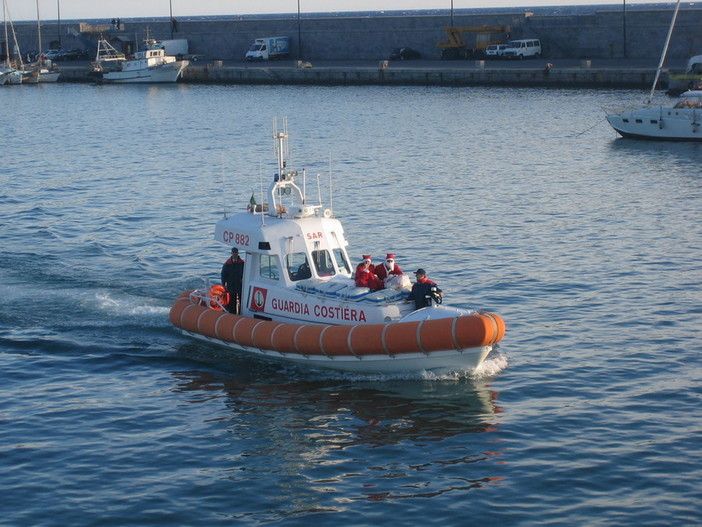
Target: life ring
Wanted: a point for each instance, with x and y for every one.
(219, 297)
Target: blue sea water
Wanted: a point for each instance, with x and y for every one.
(518, 201)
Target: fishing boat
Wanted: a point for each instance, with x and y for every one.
(690, 79)
(151, 65)
(672, 122)
(299, 302)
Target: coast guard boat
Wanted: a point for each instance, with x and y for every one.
(300, 303)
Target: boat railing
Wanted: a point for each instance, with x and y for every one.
(618, 110)
(203, 298)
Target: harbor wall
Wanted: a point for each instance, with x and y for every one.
(637, 34)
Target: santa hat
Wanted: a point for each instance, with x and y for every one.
(366, 258)
(389, 256)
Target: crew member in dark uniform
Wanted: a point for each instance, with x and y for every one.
(232, 274)
(422, 288)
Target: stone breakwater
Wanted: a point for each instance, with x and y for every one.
(609, 74)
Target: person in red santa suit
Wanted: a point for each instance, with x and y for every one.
(388, 268)
(365, 275)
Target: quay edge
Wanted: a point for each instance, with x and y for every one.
(427, 74)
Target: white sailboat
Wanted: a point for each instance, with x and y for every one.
(674, 122)
(44, 69)
(7, 71)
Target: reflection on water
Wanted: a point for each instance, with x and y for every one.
(309, 433)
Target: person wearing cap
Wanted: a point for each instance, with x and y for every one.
(231, 275)
(388, 269)
(422, 288)
(365, 275)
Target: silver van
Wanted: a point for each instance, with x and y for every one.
(520, 49)
(495, 50)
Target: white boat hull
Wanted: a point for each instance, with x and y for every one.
(432, 338)
(659, 123)
(447, 360)
(164, 73)
(49, 76)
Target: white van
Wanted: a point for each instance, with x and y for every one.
(520, 49)
(495, 50)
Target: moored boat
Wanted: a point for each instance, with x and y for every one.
(676, 122)
(300, 303)
(151, 65)
(690, 79)
(679, 122)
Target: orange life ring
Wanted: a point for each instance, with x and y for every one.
(218, 297)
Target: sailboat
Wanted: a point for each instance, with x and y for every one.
(43, 68)
(10, 74)
(676, 122)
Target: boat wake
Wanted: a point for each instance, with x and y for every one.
(129, 306)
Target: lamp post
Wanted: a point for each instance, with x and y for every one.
(624, 27)
(170, 3)
(451, 13)
(299, 33)
(58, 12)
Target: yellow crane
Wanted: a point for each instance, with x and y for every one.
(457, 48)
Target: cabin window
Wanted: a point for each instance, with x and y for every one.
(268, 267)
(341, 261)
(323, 263)
(298, 266)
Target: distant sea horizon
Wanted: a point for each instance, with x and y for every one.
(539, 10)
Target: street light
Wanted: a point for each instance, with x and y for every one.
(624, 27)
(170, 3)
(58, 11)
(299, 33)
(451, 13)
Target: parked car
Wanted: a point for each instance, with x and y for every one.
(72, 54)
(49, 54)
(495, 51)
(405, 54)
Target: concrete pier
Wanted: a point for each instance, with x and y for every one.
(561, 73)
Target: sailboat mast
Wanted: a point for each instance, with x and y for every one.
(664, 53)
(7, 42)
(39, 26)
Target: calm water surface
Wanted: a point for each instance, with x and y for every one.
(522, 202)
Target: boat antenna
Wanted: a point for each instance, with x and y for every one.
(304, 185)
(319, 190)
(331, 188)
(664, 52)
(224, 197)
(260, 182)
(281, 144)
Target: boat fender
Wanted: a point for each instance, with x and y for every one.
(219, 297)
(479, 329)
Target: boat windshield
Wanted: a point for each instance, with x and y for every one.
(323, 263)
(268, 267)
(298, 266)
(341, 262)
